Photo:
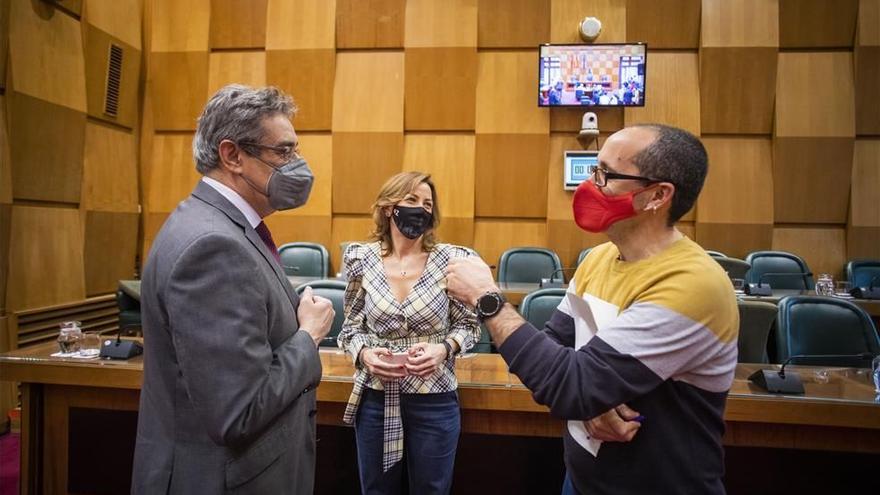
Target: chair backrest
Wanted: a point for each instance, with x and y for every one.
(860, 273)
(305, 259)
(538, 306)
(334, 290)
(528, 264)
(129, 310)
(778, 262)
(824, 325)
(755, 321)
(485, 344)
(734, 267)
(583, 254)
(716, 254)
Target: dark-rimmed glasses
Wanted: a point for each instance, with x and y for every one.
(285, 153)
(601, 176)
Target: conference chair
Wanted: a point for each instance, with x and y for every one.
(529, 264)
(823, 325)
(716, 254)
(860, 273)
(583, 254)
(129, 313)
(485, 344)
(755, 321)
(334, 290)
(538, 306)
(305, 259)
(735, 268)
(766, 262)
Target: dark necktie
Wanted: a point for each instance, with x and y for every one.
(266, 236)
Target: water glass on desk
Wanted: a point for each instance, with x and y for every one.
(875, 372)
(825, 285)
(90, 346)
(70, 336)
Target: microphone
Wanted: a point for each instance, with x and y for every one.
(778, 382)
(550, 283)
(121, 349)
(869, 292)
(760, 289)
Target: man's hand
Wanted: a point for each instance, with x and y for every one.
(315, 315)
(425, 358)
(616, 425)
(385, 371)
(469, 278)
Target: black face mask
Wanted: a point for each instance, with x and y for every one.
(412, 221)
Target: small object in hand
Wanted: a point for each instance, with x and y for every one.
(395, 358)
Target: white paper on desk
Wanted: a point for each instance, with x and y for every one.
(590, 315)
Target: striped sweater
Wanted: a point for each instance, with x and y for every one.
(668, 350)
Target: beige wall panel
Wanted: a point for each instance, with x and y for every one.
(180, 25)
(46, 55)
(46, 149)
(440, 23)
(817, 23)
(565, 15)
(672, 92)
(570, 119)
(863, 242)
(110, 248)
(302, 228)
(455, 230)
(867, 80)
(811, 179)
(110, 172)
(152, 223)
(180, 85)
(739, 23)
(513, 23)
(739, 186)
(348, 229)
(734, 239)
(119, 18)
(5, 161)
(829, 113)
(300, 24)
(868, 32)
(511, 171)
(172, 173)
(558, 199)
(440, 88)
(362, 162)
(318, 150)
(865, 196)
(727, 106)
(370, 23)
(824, 249)
(97, 56)
(492, 237)
(449, 158)
(45, 257)
(238, 23)
(688, 229)
(308, 76)
(664, 23)
(248, 68)
(507, 94)
(568, 240)
(368, 92)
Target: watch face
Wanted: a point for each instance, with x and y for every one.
(489, 304)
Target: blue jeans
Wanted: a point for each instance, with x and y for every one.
(431, 427)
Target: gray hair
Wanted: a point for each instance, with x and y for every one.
(236, 113)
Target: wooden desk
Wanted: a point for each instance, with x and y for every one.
(839, 412)
(871, 306)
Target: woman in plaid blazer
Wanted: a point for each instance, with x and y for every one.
(402, 331)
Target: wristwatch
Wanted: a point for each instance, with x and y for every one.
(489, 305)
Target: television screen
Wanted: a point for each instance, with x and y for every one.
(602, 75)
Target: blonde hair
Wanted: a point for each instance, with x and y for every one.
(394, 191)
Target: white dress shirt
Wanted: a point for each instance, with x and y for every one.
(246, 209)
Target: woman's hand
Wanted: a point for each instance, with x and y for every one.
(372, 360)
(425, 359)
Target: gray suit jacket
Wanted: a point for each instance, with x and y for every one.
(228, 400)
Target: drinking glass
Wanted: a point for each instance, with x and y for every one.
(738, 285)
(875, 372)
(842, 287)
(69, 337)
(825, 285)
(90, 345)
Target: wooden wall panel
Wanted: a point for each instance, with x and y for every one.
(513, 23)
(727, 106)
(4, 41)
(248, 68)
(153, 222)
(664, 24)
(180, 25)
(308, 76)
(300, 24)
(863, 242)
(73, 7)
(238, 23)
(866, 58)
(864, 210)
(171, 174)
(492, 237)
(817, 23)
(739, 186)
(811, 179)
(734, 239)
(97, 55)
(180, 83)
(348, 229)
(568, 240)
(456, 230)
(830, 112)
(440, 88)
(570, 120)
(318, 150)
(672, 92)
(739, 23)
(121, 19)
(5, 160)
(110, 249)
(511, 171)
(302, 228)
(362, 162)
(45, 257)
(110, 176)
(368, 92)
(46, 149)
(566, 14)
(5, 227)
(507, 94)
(558, 199)
(370, 23)
(824, 249)
(449, 158)
(56, 42)
(440, 23)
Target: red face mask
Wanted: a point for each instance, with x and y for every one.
(595, 212)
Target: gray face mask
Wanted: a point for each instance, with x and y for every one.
(289, 185)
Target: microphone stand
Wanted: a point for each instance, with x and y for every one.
(760, 289)
(780, 382)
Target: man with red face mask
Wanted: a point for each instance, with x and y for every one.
(641, 351)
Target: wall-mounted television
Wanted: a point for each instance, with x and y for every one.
(595, 75)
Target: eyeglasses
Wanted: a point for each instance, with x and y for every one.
(285, 153)
(601, 177)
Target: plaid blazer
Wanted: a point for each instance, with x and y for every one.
(374, 318)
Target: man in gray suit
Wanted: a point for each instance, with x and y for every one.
(231, 361)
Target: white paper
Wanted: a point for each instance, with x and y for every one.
(590, 315)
